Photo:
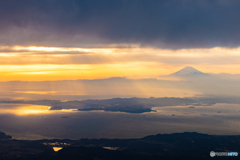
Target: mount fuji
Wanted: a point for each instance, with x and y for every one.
(189, 71)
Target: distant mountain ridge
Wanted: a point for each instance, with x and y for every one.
(189, 71)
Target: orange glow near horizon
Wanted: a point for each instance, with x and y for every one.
(74, 72)
(39, 63)
(37, 92)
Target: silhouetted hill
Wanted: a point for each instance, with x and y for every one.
(183, 146)
(3, 136)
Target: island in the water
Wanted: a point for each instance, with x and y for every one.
(128, 105)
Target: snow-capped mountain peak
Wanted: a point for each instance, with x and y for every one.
(188, 71)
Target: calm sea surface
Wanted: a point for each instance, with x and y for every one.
(37, 122)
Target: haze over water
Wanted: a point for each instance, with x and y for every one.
(23, 122)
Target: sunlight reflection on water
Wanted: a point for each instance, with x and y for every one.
(57, 148)
(25, 109)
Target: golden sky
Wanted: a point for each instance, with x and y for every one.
(69, 40)
(39, 63)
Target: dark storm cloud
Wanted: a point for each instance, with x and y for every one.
(162, 23)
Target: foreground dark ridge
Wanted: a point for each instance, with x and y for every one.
(162, 146)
